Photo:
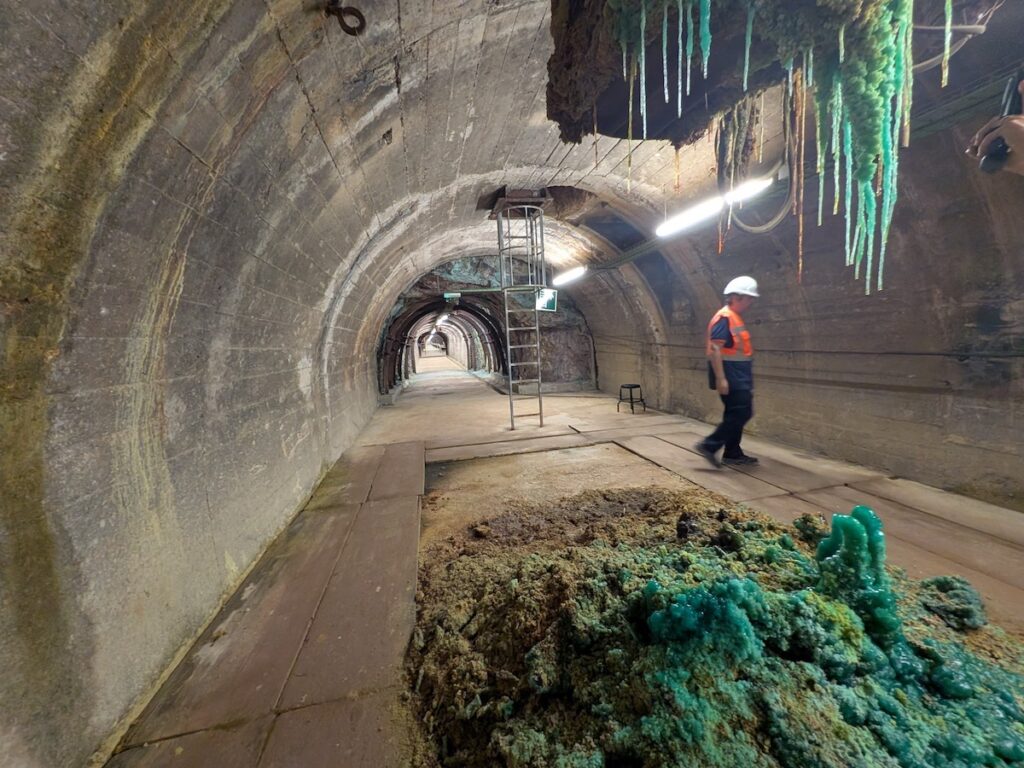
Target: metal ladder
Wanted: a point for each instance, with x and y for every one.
(523, 273)
(523, 356)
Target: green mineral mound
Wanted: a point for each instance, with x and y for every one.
(649, 628)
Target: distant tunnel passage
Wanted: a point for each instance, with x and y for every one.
(470, 329)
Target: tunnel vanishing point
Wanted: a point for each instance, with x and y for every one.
(225, 224)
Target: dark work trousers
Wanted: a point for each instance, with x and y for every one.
(739, 409)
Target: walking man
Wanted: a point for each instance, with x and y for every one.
(731, 373)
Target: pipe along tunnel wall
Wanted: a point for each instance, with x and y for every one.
(211, 208)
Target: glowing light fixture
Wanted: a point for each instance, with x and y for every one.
(691, 217)
(569, 275)
(746, 190)
(711, 208)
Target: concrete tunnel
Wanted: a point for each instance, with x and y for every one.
(227, 231)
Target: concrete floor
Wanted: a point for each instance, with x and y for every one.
(303, 665)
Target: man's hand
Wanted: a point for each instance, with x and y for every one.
(722, 385)
(1011, 130)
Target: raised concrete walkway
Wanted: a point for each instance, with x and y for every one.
(303, 665)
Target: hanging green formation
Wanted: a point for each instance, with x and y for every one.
(862, 51)
(747, 39)
(705, 35)
(679, 72)
(947, 42)
(664, 48)
(643, 66)
(837, 147)
(689, 46)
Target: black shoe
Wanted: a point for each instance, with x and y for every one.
(708, 454)
(740, 461)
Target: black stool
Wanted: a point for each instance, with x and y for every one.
(631, 388)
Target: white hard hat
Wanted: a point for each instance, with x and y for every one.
(743, 285)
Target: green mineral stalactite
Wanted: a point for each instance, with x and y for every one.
(664, 48)
(837, 151)
(643, 67)
(821, 149)
(888, 167)
(864, 88)
(824, 103)
(858, 234)
(891, 141)
(689, 46)
(867, 97)
(705, 34)
(746, 45)
(908, 69)
(679, 58)
(629, 127)
(947, 43)
(848, 193)
(869, 239)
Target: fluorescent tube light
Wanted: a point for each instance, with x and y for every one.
(747, 190)
(568, 276)
(691, 217)
(711, 208)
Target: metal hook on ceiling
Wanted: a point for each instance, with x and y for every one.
(345, 12)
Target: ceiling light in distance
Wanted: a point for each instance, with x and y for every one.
(569, 275)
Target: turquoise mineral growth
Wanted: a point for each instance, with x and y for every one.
(639, 641)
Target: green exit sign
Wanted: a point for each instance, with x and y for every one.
(547, 300)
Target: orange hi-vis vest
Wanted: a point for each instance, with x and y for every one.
(741, 348)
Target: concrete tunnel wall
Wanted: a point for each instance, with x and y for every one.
(208, 211)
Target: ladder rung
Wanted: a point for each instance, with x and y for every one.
(522, 346)
(521, 309)
(528, 381)
(527, 362)
(524, 328)
(524, 415)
